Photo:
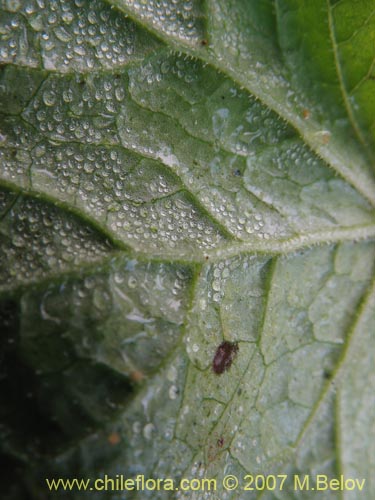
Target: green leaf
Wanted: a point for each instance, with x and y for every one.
(175, 175)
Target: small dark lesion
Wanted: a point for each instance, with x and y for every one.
(327, 374)
(306, 114)
(220, 442)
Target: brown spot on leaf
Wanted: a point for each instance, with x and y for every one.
(114, 438)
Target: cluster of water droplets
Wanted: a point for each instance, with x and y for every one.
(72, 35)
(245, 215)
(41, 240)
(92, 178)
(18, 41)
(297, 184)
(176, 18)
(137, 198)
(220, 273)
(206, 104)
(17, 139)
(78, 108)
(14, 164)
(169, 223)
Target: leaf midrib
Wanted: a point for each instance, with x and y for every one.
(340, 76)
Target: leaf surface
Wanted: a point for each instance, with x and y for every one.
(175, 175)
